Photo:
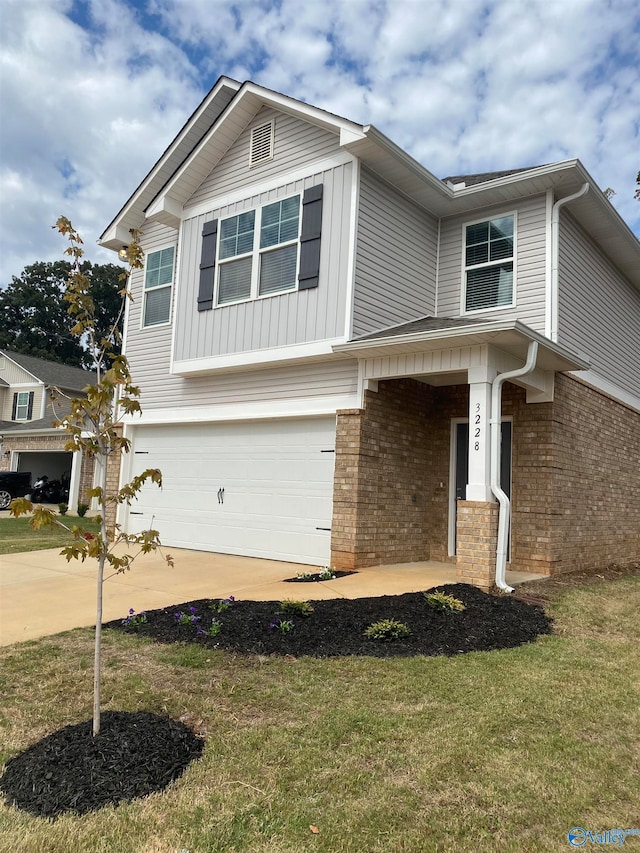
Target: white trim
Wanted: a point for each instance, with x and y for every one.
(609, 388)
(170, 285)
(255, 410)
(309, 170)
(514, 260)
(548, 294)
(255, 358)
(354, 213)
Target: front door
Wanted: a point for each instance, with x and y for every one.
(461, 465)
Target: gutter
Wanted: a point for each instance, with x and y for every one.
(555, 252)
(496, 438)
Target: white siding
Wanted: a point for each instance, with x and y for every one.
(282, 320)
(599, 310)
(530, 264)
(296, 143)
(395, 258)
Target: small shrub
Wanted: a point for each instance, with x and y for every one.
(222, 604)
(190, 618)
(442, 601)
(290, 607)
(135, 618)
(327, 574)
(304, 576)
(212, 631)
(387, 630)
(82, 510)
(285, 626)
(62, 508)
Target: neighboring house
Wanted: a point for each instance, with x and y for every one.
(28, 439)
(317, 336)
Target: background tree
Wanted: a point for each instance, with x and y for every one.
(33, 312)
(93, 427)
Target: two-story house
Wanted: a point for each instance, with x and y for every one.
(345, 360)
(28, 439)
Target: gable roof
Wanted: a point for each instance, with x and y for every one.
(51, 372)
(230, 106)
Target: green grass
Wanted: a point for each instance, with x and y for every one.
(501, 751)
(17, 535)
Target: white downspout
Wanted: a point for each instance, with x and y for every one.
(496, 440)
(555, 252)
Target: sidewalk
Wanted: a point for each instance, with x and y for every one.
(41, 593)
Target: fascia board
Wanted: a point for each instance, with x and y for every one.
(225, 88)
(254, 98)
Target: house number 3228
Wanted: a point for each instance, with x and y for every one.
(478, 421)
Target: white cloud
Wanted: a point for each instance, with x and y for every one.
(94, 90)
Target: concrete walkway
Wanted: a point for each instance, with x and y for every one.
(42, 594)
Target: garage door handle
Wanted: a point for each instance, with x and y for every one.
(324, 528)
(221, 496)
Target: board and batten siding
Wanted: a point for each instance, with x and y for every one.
(598, 309)
(296, 143)
(530, 263)
(283, 319)
(149, 354)
(395, 269)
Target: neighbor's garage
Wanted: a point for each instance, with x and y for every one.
(259, 488)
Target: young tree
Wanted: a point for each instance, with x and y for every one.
(33, 313)
(93, 426)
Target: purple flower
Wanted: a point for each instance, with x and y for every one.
(131, 611)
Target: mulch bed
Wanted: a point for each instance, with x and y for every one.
(337, 625)
(134, 755)
(317, 577)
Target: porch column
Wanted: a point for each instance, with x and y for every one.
(479, 483)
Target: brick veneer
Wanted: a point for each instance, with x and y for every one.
(575, 478)
(476, 543)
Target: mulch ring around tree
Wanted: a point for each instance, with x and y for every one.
(134, 755)
(337, 625)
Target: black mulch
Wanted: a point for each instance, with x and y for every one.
(134, 755)
(317, 577)
(137, 754)
(337, 625)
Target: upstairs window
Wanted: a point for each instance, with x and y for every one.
(258, 254)
(158, 281)
(22, 409)
(489, 255)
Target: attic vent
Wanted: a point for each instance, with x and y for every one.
(261, 144)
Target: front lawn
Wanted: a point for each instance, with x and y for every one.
(498, 750)
(17, 535)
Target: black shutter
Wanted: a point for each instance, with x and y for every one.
(30, 409)
(310, 238)
(14, 408)
(207, 265)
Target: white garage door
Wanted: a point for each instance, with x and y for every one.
(260, 488)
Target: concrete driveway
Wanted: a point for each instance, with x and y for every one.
(41, 593)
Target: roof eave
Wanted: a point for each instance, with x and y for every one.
(502, 334)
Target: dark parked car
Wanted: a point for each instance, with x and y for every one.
(13, 484)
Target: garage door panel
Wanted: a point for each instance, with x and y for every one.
(277, 481)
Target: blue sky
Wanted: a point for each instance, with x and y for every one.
(93, 92)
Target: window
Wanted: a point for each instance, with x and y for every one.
(273, 249)
(157, 287)
(489, 264)
(22, 406)
(258, 253)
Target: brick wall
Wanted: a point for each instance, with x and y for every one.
(382, 486)
(596, 479)
(575, 497)
(476, 543)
